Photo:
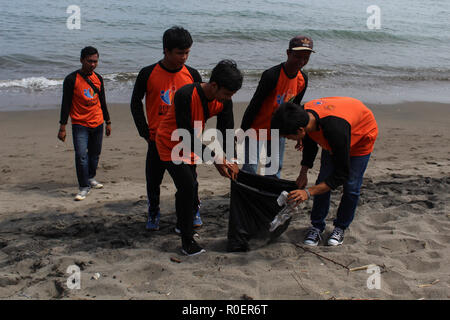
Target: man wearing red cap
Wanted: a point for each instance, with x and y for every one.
(281, 83)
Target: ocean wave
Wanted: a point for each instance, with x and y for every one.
(315, 34)
(20, 60)
(121, 76)
(33, 83)
(253, 75)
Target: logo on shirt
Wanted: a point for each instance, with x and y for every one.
(87, 93)
(167, 95)
(287, 96)
(280, 98)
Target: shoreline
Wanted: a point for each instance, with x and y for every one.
(401, 223)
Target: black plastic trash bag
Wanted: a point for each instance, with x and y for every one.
(253, 206)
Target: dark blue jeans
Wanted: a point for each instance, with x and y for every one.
(350, 196)
(88, 145)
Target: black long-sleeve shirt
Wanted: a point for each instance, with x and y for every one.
(337, 131)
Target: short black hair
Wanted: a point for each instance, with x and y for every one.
(88, 51)
(226, 74)
(289, 117)
(177, 37)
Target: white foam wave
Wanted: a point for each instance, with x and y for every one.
(35, 83)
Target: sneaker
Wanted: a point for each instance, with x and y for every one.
(95, 184)
(192, 248)
(312, 237)
(81, 195)
(337, 237)
(153, 221)
(197, 220)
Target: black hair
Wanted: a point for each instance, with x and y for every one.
(177, 37)
(88, 51)
(288, 118)
(226, 74)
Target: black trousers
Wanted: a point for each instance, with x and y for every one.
(186, 198)
(154, 174)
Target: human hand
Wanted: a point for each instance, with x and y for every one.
(62, 133)
(297, 196)
(299, 145)
(108, 130)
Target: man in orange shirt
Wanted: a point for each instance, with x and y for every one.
(194, 105)
(159, 82)
(84, 100)
(346, 130)
(281, 83)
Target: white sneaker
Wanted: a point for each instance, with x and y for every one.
(336, 237)
(82, 194)
(95, 184)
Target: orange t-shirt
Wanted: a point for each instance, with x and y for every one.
(364, 129)
(285, 90)
(86, 108)
(168, 125)
(161, 88)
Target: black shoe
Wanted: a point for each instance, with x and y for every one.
(192, 248)
(312, 237)
(337, 237)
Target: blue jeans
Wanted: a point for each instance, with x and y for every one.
(252, 160)
(88, 145)
(350, 196)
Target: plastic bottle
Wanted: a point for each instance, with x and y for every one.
(285, 213)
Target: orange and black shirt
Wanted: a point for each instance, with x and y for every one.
(274, 88)
(191, 106)
(159, 85)
(346, 128)
(80, 101)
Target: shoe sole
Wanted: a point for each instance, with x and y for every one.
(97, 187)
(335, 244)
(311, 244)
(193, 254)
(152, 229)
(78, 198)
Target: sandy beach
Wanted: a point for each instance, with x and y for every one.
(402, 224)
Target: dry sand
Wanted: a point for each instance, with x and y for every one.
(402, 223)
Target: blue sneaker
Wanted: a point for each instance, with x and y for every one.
(153, 221)
(197, 220)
